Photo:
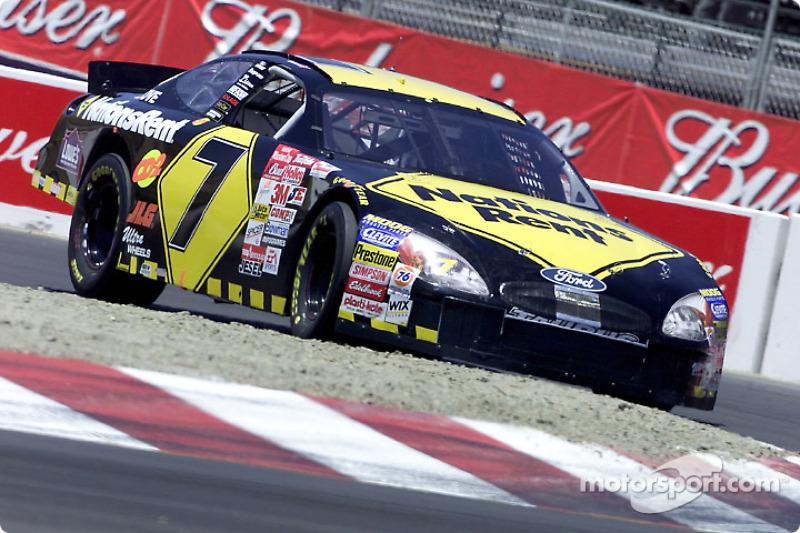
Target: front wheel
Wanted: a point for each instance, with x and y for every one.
(95, 236)
(322, 270)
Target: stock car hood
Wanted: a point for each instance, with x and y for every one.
(633, 278)
(549, 234)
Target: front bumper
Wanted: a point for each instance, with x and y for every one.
(492, 337)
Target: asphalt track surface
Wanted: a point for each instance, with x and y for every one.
(48, 484)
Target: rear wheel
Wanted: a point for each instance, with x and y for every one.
(322, 270)
(95, 236)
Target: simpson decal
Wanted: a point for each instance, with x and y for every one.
(370, 273)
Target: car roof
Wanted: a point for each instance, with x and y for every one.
(354, 75)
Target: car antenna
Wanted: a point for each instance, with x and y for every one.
(393, 68)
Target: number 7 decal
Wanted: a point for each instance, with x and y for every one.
(205, 197)
(221, 156)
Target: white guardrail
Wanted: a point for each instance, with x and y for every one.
(763, 334)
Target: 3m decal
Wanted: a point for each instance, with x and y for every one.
(205, 197)
(548, 233)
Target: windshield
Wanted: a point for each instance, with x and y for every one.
(423, 136)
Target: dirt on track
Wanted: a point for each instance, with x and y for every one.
(65, 325)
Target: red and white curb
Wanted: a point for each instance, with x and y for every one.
(467, 458)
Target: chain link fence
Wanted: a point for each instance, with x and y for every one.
(718, 61)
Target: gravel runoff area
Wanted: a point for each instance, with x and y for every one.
(65, 325)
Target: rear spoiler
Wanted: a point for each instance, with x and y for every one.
(108, 78)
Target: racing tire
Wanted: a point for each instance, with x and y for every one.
(95, 237)
(321, 271)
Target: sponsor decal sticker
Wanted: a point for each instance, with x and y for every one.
(359, 305)
(254, 231)
(374, 255)
(277, 229)
(370, 273)
(282, 214)
(260, 212)
(293, 174)
(149, 168)
(148, 123)
(573, 278)
(518, 314)
(398, 309)
(133, 241)
(296, 196)
(143, 214)
(272, 260)
(403, 278)
(367, 289)
(321, 169)
(250, 268)
(380, 237)
(253, 252)
(70, 155)
(279, 193)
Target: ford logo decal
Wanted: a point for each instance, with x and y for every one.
(573, 278)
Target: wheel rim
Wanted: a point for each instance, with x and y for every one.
(99, 228)
(322, 257)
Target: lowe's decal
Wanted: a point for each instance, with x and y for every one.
(548, 233)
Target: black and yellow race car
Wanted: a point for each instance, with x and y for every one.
(373, 204)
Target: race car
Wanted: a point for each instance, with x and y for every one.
(372, 204)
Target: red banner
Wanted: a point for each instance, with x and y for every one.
(614, 131)
(716, 238)
(21, 138)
